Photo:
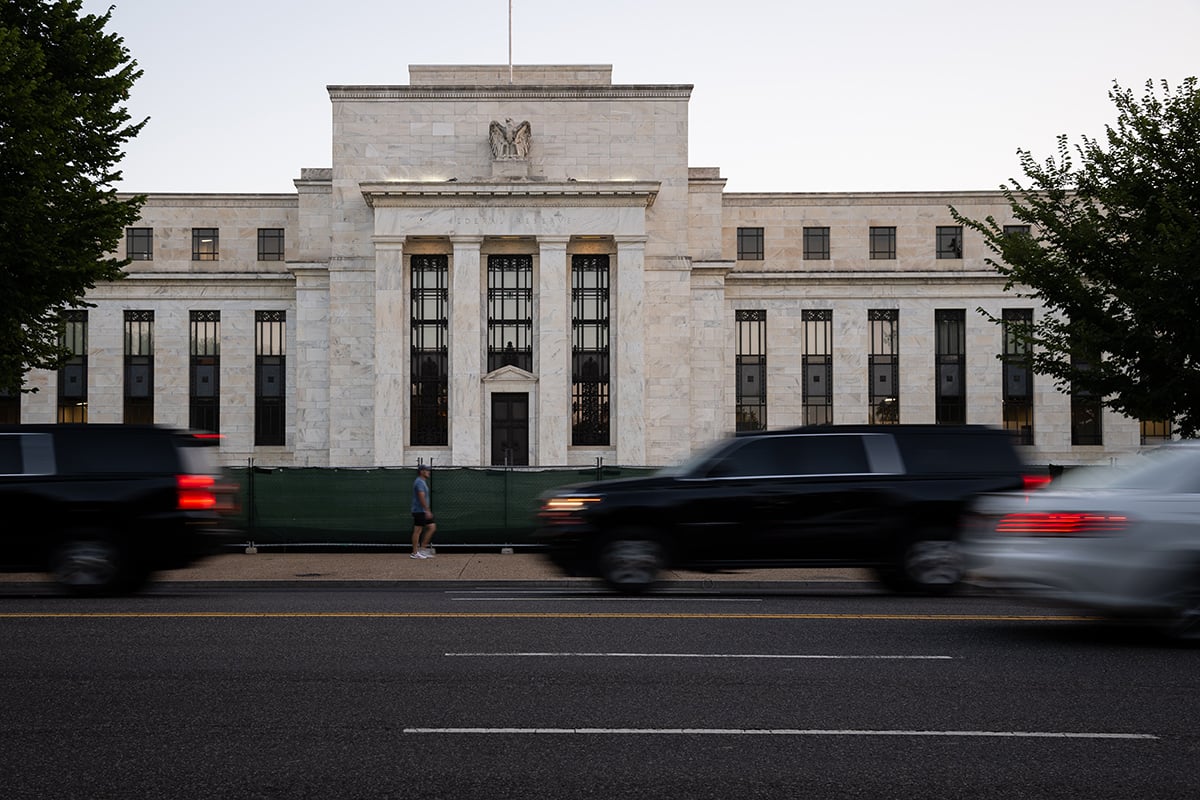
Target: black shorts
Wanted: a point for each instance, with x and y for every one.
(421, 518)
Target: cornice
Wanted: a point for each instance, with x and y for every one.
(511, 92)
(422, 194)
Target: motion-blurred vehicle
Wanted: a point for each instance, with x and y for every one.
(102, 507)
(884, 497)
(1122, 541)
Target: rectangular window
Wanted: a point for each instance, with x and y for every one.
(1085, 410)
(510, 312)
(1156, 431)
(1016, 230)
(429, 365)
(1016, 324)
(950, 400)
(883, 366)
(883, 242)
(72, 376)
(949, 241)
(818, 366)
(206, 244)
(270, 244)
(139, 367)
(816, 244)
(751, 370)
(750, 244)
(589, 350)
(139, 244)
(270, 329)
(204, 382)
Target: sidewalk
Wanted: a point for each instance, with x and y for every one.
(271, 568)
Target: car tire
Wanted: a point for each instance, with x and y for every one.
(630, 561)
(91, 564)
(927, 565)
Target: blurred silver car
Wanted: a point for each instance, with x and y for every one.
(1123, 541)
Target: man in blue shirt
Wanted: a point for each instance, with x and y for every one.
(422, 511)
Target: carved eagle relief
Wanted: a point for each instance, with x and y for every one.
(509, 140)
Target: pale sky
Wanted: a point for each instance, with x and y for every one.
(790, 95)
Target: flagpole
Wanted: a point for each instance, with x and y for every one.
(510, 67)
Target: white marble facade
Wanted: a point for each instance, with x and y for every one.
(606, 171)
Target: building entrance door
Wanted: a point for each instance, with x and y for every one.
(510, 429)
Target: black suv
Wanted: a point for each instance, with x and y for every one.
(102, 507)
(884, 497)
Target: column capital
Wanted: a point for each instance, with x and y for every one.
(553, 241)
(630, 240)
(466, 240)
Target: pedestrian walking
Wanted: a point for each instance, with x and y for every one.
(422, 511)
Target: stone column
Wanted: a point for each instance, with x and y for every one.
(629, 408)
(553, 417)
(466, 353)
(312, 364)
(391, 368)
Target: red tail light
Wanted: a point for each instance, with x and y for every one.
(1036, 481)
(1074, 524)
(196, 492)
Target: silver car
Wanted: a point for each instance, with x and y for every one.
(1123, 541)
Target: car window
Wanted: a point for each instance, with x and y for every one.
(26, 454)
(10, 455)
(793, 455)
(115, 450)
(1167, 469)
(952, 451)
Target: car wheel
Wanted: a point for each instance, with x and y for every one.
(1183, 621)
(91, 564)
(631, 562)
(928, 566)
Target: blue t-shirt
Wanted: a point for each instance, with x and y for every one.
(420, 486)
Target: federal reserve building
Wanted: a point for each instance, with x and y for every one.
(519, 266)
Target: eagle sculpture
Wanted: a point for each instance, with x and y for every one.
(509, 140)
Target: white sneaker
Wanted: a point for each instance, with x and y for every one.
(418, 554)
(428, 553)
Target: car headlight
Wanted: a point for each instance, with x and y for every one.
(569, 504)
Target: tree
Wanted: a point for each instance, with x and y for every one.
(1113, 253)
(63, 81)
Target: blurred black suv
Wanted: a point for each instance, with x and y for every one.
(888, 498)
(102, 507)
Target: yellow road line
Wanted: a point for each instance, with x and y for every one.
(524, 615)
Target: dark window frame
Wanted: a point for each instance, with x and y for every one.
(270, 367)
(751, 244)
(882, 239)
(429, 352)
(73, 405)
(1017, 374)
(139, 368)
(817, 391)
(204, 371)
(206, 244)
(270, 244)
(510, 312)
(949, 242)
(590, 350)
(950, 354)
(139, 244)
(816, 243)
(883, 366)
(751, 364)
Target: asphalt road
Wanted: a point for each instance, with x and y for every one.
(467, 692)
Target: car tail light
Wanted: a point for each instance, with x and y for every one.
(1036, 481)
(1061, 524)
(204, 493)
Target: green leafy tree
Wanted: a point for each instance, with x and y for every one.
(1113, 253)
(63, 82)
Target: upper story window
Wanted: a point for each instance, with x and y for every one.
(270, 244)
(139, 244)
(750, 244)
(949, 241)
(816, 244)
(206, 245)
(1016, 230)
(883, 241)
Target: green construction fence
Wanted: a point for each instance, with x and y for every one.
(327, 507)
